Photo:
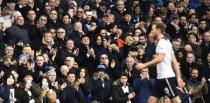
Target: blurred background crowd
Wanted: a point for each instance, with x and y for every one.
(84, 51)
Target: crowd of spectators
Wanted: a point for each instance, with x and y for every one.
(85, 51)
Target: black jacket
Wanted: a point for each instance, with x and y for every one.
(119, 96)
(23, 97)
(35, 35)
(101, 93)
(71, 95)
(16, 33)
(205, 46)
(186, 68)
(85, 61)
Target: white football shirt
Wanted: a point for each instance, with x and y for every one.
(164, 68)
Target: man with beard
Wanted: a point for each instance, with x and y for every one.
(196, 88)
(148, 46)
(183, 27)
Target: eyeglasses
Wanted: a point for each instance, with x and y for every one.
(52, 75)
(68, 60)
(92, 25)
(10, 49)
(144, 71)
(43, 19)
(120, 4)
(137, 32)
(47, 35)
(31, 13)
(103, 33)
(103, 57)
(80, 12)
(202, 23)
(54, 13)
(60, 32)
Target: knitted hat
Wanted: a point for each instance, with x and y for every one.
(101, 67)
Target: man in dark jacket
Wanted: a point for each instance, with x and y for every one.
(119, 10)
(143, 85)
(122, 92)
(101, 85)
(129, 69)
(183, 24)
(17, 32)
(71, 93)
(22, 7)
(126, 22)
(86, 55)
(102, 9)
(201, 10)
(77, 33)
(34, 34)
(188, 64)
(205, 72)
(196, 88)
(172, 27)
(149, 47)
(205, 45)
(205, 68)
(53, 19)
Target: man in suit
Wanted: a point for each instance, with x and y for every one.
(122, 92)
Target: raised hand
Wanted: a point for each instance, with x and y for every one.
(91, 51)
(203, 80)
(76, 52)
(113, 64)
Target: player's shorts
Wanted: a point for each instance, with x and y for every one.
(165, 87)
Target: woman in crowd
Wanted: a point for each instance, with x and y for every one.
(47, 42)
(84, 83)
(8, 89)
